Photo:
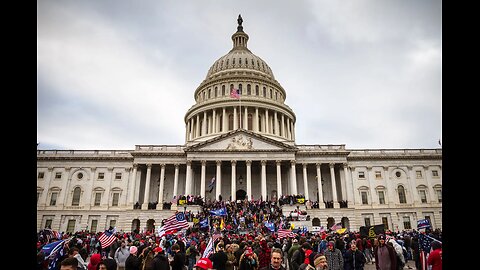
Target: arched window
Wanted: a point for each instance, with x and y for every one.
(264, 92)
(223, 90)
(249, 90)
(227, 62)
(76, 196)
(215, 92)
(240, 89)
(201, 129)
(401, 194)
(221, 123)
(240, 61)
(233, 62)
(256, 90)
(271, 95)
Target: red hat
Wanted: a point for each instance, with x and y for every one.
(248, 251)
(204, 263)
(158, 249)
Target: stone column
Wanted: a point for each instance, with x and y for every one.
(62, 200)
(235, 118)
(218, 187)
(133, 179)
(348, 185)
(334, 186)
(356, 195)
(321, 205)
(224, 120)
(249, 179)
(234, 181)
(275, 118)
(204, 124)
(48, 179)
(283, 126)
(289, 134)
(188, 179)
(146, 199)
(305, 182)
(161, 187)
(89, 189)
(390, 190)
(264, 180)
(188, 131)
(279, 178)
(412, 179)
(197, 126)
(175, 181)
(372, 185)
(293, 131)
(245, 119)
(431, 192)
(202, 180)
(267, 127)
(214, 123)
(293, 178)
(255, 126)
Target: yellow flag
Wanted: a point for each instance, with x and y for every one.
(342, 230)
(222, 224)
(292, 226)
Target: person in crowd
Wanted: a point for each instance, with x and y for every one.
(132, 262)
(320, 262)
(385, 255)
(204, 264)
(231, 259)
(191, 254)
(69, 263)
(248, 260)
(334, 257)
(435, 257)
(160, 261)
(178, 258)
(121, 255)
(94, 260)
(400, 259)
(220, 258)
(354, 258)
(276, 256)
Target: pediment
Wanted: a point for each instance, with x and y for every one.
(241, 140)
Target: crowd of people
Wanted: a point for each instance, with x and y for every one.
(241, 240)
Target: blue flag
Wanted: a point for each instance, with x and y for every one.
(56, 255)
(219, 212)
(270, 226)
(423, 223)
(204, 223)
(51, 248)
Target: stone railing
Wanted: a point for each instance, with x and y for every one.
(159, 148)
(328, 147)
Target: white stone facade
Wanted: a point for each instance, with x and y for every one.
(247, 144)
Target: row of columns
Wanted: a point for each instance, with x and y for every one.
(218, 178)
(210, 123)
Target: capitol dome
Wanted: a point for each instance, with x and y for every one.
(260, 106)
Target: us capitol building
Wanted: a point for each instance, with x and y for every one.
(247, 146)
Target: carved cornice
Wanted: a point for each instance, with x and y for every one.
(90, 158)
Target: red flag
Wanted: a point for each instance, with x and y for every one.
(235, 93)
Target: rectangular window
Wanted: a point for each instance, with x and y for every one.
(364, 197)
(439, 195)
(41, 175)
(101, 176)
(98, 198)
(378, 175)
(93, 226)
(48, 223)
(406, 223)
(118, 176)
(113, 222)
(367, 222)
(419, 174)
(71, 226)
(361, 175)
(115, 199)
(385, 222)
(435, 173)
(58, 175)
(53, 199)
(423, 196)
(381, 197)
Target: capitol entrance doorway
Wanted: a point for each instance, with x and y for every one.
(241, 194)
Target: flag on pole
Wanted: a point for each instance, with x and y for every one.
(336, 226)
(176, 222)
(51, 248)
(282, 233)
(222, 224)
(209, 249)
(211, 185)
(108, 237)
(235, 93)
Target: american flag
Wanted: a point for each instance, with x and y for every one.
(108, 237)
(51, 234)
(209, 249)
(282, 233)
(336, 226)
(175, 222)
(425, 248)
(235, 93)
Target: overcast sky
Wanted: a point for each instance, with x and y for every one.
(115, 74)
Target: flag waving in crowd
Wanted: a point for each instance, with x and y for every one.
(282, 233)
(108, 237)
(211, 185)
(173, 223)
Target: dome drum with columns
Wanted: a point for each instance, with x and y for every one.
(238, 149)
